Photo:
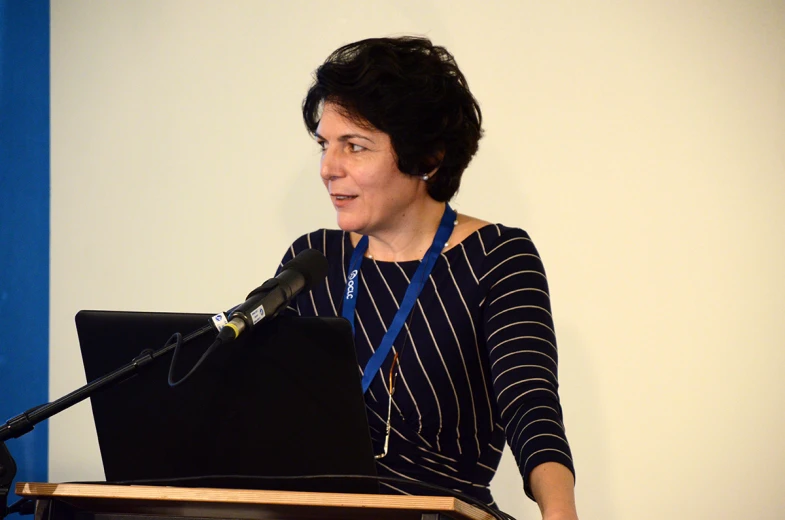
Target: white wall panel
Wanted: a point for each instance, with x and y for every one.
(641, 145)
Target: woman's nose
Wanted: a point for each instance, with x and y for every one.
(331, 165)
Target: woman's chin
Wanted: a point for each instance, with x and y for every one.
(349, 225)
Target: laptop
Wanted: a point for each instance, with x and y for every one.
(282, 401)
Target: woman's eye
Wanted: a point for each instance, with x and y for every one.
(322, 145)
(356, 147)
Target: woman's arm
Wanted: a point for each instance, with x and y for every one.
(553, 488)
(521, 343)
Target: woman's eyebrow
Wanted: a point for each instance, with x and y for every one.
(346, 137)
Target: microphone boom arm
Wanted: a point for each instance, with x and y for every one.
(26, 421)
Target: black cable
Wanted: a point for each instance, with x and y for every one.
(178, 339)
(496, 513)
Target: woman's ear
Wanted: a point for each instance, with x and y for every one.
(432, 165)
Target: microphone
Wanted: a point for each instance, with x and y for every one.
(301, 273)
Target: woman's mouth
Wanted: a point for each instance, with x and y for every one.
(341, 200)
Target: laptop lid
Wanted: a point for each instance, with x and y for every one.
(283, 400)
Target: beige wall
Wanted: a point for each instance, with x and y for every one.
(642, 144)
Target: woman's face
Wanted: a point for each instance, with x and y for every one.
(360, 172)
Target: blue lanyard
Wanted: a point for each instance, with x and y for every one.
(412, 292)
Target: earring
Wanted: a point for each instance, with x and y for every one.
(425, 177)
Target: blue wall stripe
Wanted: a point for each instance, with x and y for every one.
(24, 224)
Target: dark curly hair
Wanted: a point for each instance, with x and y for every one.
(413, 91)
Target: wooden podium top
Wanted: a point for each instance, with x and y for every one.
(245, 503)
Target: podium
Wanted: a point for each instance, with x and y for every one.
(113, 502)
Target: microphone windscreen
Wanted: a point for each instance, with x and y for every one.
(310, 263)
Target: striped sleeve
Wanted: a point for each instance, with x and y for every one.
(521, 343)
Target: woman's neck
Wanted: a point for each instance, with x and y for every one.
(409, 236)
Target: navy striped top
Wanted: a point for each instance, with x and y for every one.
(477, 358)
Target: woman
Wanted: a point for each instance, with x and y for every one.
(455, 309)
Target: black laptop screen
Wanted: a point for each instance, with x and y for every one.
(283, 400)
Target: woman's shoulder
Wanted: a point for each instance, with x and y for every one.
(497, 250)
(484, 236)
